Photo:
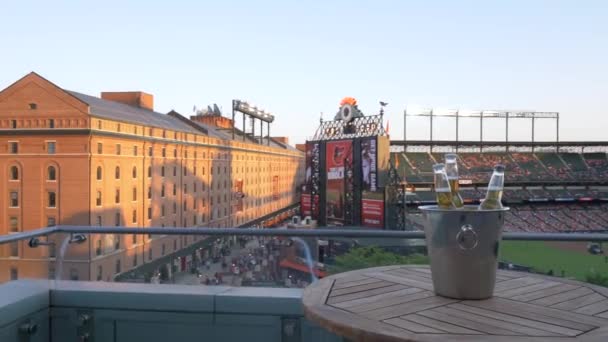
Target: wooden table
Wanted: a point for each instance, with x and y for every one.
(397, 303)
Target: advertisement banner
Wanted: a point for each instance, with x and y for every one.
(338, 155)
(372, 209)
(369, 168)
(305, 205)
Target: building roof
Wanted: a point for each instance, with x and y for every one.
(123, 112)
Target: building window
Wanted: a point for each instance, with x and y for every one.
(149, 192)
(149, 213)
(50, 221)
(99, 273)
(134, 239)
(99, 148)
(116, 241)
(14, 249)
(162, 211)
(134, 260)
(134, 172)
(51, 123)
(185, 208)
(194, 186)
(117, 172)
(135, 150)
(98, 199)
(99, 173)
(175, 152)
(117, 196)
(118, 128)
(14, 224)
(194, 171)
(118, 149)
(174, 209)
(150, 151)
(98, 124)
(14, 173)
(150, 253)
(135, 130)
(117, 266)
(52, 199)
(150, 131)
(14, 199)
(162, 171)
(51, 173)
(174, 171)
(149, 171)
(13, 147)
(163, 152)
(98, 248)
(174, 189)
(134, 194)
(134, 216)
(185, 188)
(162, 190)
(50, 147)
(99, 221)
(13, 123)
(14, 273)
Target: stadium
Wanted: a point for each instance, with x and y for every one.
(551, 187)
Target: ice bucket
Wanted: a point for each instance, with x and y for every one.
(463, 247)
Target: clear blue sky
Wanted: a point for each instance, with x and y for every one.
(299, 58)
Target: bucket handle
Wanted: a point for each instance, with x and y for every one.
(467, 238)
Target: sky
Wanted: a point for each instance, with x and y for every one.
(298, 59)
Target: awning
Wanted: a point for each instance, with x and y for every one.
(302, 268)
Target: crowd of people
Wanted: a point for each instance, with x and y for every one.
(557, 218)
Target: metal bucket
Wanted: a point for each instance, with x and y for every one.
(463, 249)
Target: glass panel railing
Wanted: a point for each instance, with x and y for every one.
(269, 259)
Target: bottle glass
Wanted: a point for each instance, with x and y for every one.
(451, 169)
(495, 189)
(442, 187)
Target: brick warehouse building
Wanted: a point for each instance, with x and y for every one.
(73, 159)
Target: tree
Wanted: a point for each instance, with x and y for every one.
(366, 257)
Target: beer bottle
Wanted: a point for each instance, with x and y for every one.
(494, 194)
(442, 187)
(451, 169)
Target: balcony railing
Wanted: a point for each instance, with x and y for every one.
(171, 308)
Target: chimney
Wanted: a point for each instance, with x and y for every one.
(213, 120)
(131, 98)
(282, 140)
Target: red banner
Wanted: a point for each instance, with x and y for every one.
(372, 210)
(305, 205)
(337, 154)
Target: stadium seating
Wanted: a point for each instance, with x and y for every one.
(521, 167)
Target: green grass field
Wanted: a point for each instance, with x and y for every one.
(543, 257)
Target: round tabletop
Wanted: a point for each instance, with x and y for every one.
(397, 303)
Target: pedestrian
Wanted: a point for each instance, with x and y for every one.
(207, 281)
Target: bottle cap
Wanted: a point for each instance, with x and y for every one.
(450, 157)
(439, 167)
(499, 168)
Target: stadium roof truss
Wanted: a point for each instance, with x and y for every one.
(481, 114)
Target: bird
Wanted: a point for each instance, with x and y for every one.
(383, 104)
